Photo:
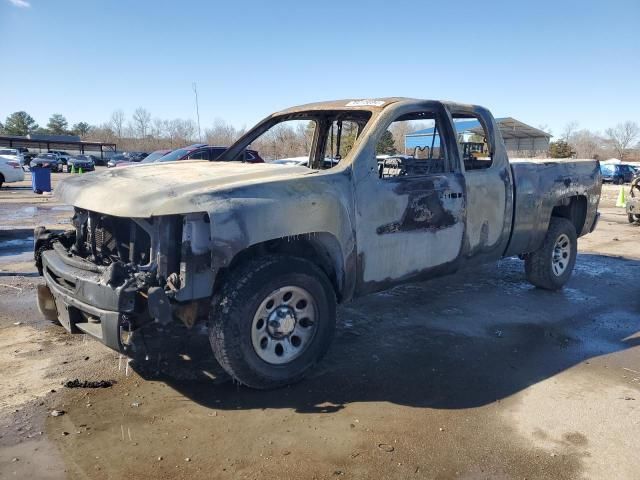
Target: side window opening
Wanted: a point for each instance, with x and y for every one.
(412, 147)
(472, 139)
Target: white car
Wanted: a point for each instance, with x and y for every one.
(12, 154)
(10, 170)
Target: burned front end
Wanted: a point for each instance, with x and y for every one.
(110, 276)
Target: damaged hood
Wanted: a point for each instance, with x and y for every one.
(170, 188)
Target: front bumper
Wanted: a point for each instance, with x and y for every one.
(84, 302)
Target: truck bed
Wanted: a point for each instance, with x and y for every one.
(557, 179)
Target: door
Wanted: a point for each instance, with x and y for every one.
(410, 211)
(489, 183)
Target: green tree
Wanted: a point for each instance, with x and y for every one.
(386, 145)
(20, 123)
(57, 124)
(560, 149)
(81, 129)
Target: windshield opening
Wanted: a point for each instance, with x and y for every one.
(319, 139)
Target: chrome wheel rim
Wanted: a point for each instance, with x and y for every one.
(561, 255)
(284, 325)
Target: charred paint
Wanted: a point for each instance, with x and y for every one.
(424, 212)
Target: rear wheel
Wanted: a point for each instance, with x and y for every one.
(550, 267)
(273, 321)
(1, 180)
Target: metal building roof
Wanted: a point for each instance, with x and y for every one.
(509, 128)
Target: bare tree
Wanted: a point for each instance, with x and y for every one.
(545, 128)
(141, 122)
(622, 137)
(222, 133)
(180, 132)
(587, 144)
(399, 131)
(568, 131)
(116, 123)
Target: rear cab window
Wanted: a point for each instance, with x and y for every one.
(473, 141)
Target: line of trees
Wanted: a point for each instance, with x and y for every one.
(21, 123)
(620, 141)
(142, 132)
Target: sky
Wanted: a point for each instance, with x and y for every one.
(544, 62)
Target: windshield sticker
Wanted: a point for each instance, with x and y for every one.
(365, 103)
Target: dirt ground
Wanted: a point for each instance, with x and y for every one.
(476, 375)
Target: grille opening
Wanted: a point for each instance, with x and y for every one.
(104, 239)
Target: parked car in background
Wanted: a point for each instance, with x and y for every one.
(96, 159)
(63, 156)
(304, 161)
(27, 157)
(13, 154)
(617, 174)
(85, 162)
(152, 157)
(136, 156)
(207, 152)
(48, 160)
(10, 171)
(115, 159)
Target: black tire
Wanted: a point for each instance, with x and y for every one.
(232, 314)
(538, 265)
(1, 180)
(631, 218)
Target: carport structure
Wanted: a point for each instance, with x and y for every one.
(56, 142)
(520, 139)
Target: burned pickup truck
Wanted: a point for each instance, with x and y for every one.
(264, 252)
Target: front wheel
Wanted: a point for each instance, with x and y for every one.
(272, 321)
(550, 267)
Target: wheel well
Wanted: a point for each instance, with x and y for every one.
(320, 248)
(573, 209)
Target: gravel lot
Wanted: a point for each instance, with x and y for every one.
(476, 375)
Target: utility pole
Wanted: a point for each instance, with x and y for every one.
(195, 91)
